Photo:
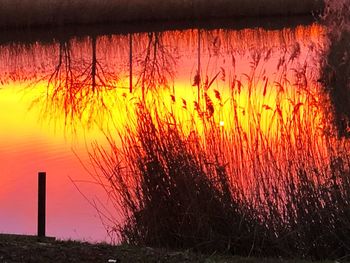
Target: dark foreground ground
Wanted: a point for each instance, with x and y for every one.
(28, 249)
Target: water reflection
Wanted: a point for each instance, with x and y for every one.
(83, 76)
(247, 83)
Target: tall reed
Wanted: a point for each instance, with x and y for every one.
(275, 184)
(208, 189)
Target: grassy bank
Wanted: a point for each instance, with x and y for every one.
(26, 13)
(24, 249)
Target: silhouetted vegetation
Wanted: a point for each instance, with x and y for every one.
(196, 184)
(181, 190)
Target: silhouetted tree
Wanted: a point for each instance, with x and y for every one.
(77, 87)
(157, 64)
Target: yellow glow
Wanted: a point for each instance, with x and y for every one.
(259, 104)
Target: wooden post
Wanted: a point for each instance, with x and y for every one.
(41, 203)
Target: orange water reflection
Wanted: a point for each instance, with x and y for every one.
(55, 99)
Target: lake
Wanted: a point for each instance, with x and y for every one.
(60, 94)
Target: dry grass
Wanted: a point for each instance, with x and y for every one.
(247, 191)
(226, 192)
(275, 186)
(26, 13)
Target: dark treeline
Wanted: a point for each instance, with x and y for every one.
(48, 36)
(25, 13)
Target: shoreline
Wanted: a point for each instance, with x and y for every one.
(49, 35)
(57, 13)
(23, 248)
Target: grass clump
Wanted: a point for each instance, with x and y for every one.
(178, 198)
(189, 187)
(276, 186)
(181, 189)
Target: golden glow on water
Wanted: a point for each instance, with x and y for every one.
(55, 99)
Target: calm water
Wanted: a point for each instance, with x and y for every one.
(58, 97)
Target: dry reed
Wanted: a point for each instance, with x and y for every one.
(235, 191)
(247, 190)
(190, 191)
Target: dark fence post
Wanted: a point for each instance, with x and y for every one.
(41, 203)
